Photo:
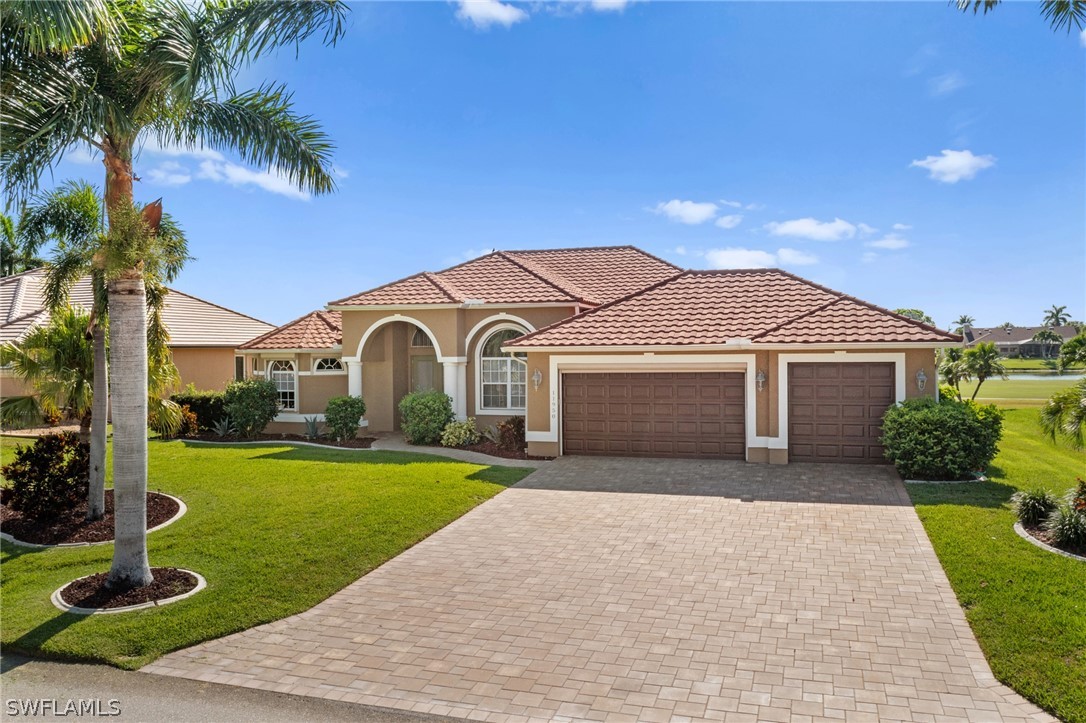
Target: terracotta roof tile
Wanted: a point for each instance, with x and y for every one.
(600, 274)
(417, 289)
(713, 307)
(315, 330)
(494, 278)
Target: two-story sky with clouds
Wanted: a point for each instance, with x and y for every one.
(906, 153)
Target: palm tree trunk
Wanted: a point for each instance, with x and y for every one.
(128, 359)
(96, 493)
(980, 380)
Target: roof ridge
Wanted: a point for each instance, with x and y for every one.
(17, 300)
(383, 286)
(444, 286)
(810, 312)
(281, 327)
(601, 307)
(544, 275)
(172, 290)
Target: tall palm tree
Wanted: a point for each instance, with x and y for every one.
(982, 362)
(132, 72)
(57, 361)
(952, 368)
(1056, 316)
(1073, 352)
(1064, 414)
(963, 321)
(1046, 338)
(1060, 14)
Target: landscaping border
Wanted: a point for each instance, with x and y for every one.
(978, 478)
(58, 601)
(1044, 545)
(277, 442)
(182, 508)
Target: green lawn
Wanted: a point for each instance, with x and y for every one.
(1026, 606)
(1028, 364)
(274, 529)
(1031, 391)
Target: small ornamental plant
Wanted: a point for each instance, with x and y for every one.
(49, 477)
(511, 434)
(342, 416)
(251, 405)
(424, 416)
(460, 434)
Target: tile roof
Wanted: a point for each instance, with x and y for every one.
(192, 322)
(315, 330)
(713, 307)
(580, 275)
(1014, 335)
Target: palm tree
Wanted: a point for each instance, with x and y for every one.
(57, 361)
(963, 321)
(952, 368)
(1046, 337)
(112, 76)
(1006, 326)
(1064, 414)
(1059, 13)
(916, 315)
(1072, 353)
(1056, 316)
(982, 362)
(18, 250)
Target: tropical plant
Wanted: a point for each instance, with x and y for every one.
(1056, 316)
(460, 433)
(17, 253)
(1032, 507)
(511, 434)
(916, 315)
(983, 362)
(57, 362)
(312, 427)
(223, 428)
(112, 75)
(1060, 14)
(1064, 415)
(1006, 326)
(929, 440)
(48, 477)
(963, 321)
(1067, 527)
(952, 368)
(1072, 353)
(251, 404)
(424, 416)
(1046, 338)
(343, 414)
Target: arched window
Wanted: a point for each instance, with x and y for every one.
(502, 376)
(328, 364)
(421, 340)
(281, 373)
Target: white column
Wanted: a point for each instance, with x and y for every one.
(354, 378)
(454, 375)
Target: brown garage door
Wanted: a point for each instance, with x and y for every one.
(835, 411)
(698, 414)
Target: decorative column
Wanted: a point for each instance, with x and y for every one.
(354, 378)
(454, 374)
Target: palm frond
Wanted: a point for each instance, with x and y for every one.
(67, 266)
(18, 411)
(184, 58)
(252, 27)
(46, 26)
(1061, 14)
(172, 248)
(981, 6)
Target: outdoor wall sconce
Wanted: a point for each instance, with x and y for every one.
(537, 379)
(921, 379)
(759, 379)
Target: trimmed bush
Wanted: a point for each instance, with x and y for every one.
(50, 476)
(947, 393)
(424, 416)
(251, 405)
(342, 416)
(511, 434)
(1078, 496)
(460, 434)
(209, 407)
(1033, 507)
(1067, 527)
(941, 441)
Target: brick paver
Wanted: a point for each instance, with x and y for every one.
(646, 590)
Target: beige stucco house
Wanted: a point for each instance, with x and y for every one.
(203, 335)
(614, 351)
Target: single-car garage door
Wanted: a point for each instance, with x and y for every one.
(696, 414)
(835, 411)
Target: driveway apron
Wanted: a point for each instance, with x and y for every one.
(645, 590)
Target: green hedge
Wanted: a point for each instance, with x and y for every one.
(209, 407)
(424, 416)
(946, 440)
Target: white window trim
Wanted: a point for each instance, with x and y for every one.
(480, 410)
(322, 372)
(294, 369)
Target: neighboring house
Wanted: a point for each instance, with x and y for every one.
(614, 351)
(203, 336)
(1017, 341)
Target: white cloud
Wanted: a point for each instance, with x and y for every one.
(169, 173)
(954, 166)
(793, 257)
(609, 5)
(865, 229)
(235, 175)
(730, 221)
(901, 227)
(680, 250)
(946, 84)
(484, 13)
(688, 212)
(813, 229)
(732, 204)
(153, 147)
(340, 172)
(740, 204)
(869, 256)
(1082, 38)
(890, 241)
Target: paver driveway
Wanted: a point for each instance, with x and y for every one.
(645, 590)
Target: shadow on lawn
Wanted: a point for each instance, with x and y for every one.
(33, 640)
(331, 454)
(990, 494)
(10, 551)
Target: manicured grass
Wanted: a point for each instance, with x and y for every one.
(1029, 389)
(274, 529)
(1028, 364)
(1026, 606)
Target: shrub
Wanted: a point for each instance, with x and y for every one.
(460, 434)
(1033, 507)
(50, 476)
(947, 393)
(424, 416)
(1068, 527)
(948, 441)
(209, 407)
(224, 428)
(251, 405)
(52, 418)
(342, 416)
(312, 428)
(511, 434)
(1078, 496)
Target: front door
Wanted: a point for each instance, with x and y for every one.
(423, 373)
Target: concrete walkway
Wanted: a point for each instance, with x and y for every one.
(394, 442)
(645, 590)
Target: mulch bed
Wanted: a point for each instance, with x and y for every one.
(90, 592)
(494, 449)
(356, 443)
(1045, 536)
(72, 527)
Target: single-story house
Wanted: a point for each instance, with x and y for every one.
(1017, 341)
(203, 335)
(613, 351)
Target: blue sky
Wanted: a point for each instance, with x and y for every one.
(904, 153)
